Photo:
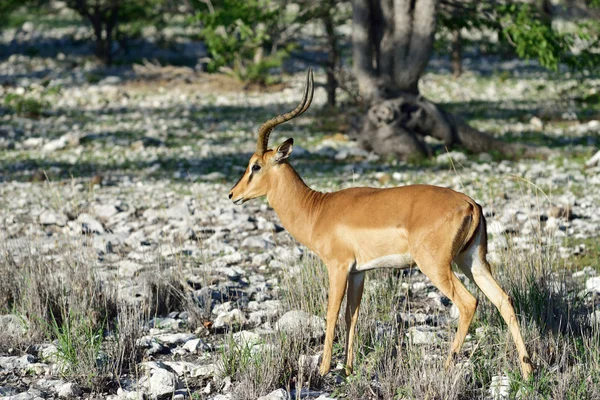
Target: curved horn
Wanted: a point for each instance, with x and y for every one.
(267, 127)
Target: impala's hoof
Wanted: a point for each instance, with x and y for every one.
(527, 368)
(324, 370)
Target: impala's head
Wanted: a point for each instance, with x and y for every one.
(255, 181)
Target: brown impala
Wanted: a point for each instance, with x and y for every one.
(358, 229)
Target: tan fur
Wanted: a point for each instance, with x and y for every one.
(370, 227)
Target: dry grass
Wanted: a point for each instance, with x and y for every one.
(64, 300)
(553, 314)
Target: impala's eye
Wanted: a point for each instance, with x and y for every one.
(255, 168)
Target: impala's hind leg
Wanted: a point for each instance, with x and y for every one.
(356, 282)
(474, 264)
(441, 275)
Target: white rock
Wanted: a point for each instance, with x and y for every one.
(204, 371)
(279, 394)
(194, 345)
(105, 211)
(536, 123)
(593, 284)
(68, 390)
(48, 217)
(33, 142)
(451, 157)
(128, 268)
(90, 224)
(175, 338)
(230, 318)
(418, 336)
(500, 387)
(213, 176)
(161, 383)
(13, 325)
(595, 160)
(296, 321)
(256, 242)
(179, 211)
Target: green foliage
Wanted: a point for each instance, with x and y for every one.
(78, 342)
(533, 36)
(529, 32)
(237, 32)
(26, 105)
(7, 7)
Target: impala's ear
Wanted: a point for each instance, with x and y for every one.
(284, 150)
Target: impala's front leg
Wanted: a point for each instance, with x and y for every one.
(338, 276)
(356, 283)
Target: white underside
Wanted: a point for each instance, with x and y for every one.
(392, 261)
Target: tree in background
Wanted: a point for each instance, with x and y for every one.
(110, 18)
(392, 44)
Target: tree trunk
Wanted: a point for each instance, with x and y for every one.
(456, 53)
(392, 43)
(332, 53)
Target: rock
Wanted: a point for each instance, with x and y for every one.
(256, 242)
(227, 396)
(195, 346)
(261, 259)
(204, 371)
(160, 384)
(296, 321)
(230, 318)
(595, 318)
(89, 224)
(500, 387)
(595, 160)
(179, 211)
(536, 123)
(586, 271)
(68, 390)
(48, 217)
(213, 176)
(127, 268)
(593, 284)
(13, 325)
(105, 211)
(418, 336)
(165, 323)
(14, 363)
(451, 157)
(279, 394)
(175, 338)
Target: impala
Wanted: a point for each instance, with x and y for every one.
(359, 229)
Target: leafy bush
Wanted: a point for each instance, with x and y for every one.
(26, 105)
(237, 32)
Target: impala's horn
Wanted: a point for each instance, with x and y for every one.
(267, 127)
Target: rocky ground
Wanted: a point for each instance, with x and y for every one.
(121, 177)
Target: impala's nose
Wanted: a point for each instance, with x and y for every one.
(230, 195)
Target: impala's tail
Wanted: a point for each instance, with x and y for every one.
(477, 222)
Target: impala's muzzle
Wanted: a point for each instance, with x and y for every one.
(237, 201)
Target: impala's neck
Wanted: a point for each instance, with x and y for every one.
(295, 203)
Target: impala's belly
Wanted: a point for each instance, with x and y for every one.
(379, 248)
(400, 261)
